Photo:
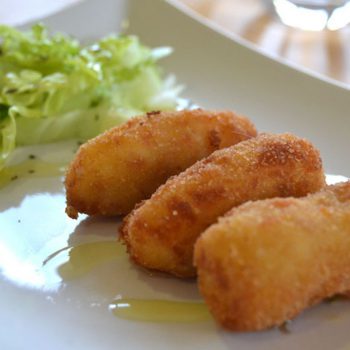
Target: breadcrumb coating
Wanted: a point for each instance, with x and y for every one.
(116, 170)
(266, 261)
(160, 234)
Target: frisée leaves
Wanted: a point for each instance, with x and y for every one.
(52, 88)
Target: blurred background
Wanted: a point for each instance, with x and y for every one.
(324, 51)
(306, 44)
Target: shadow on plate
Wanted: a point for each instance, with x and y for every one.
(95, 257)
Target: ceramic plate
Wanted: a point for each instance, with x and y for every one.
(68, 284)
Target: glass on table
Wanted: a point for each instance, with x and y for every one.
(313, 15)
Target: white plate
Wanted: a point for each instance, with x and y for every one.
(56, 291)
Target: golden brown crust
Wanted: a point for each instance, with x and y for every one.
(266, 261)
(126, 164)
(71, 212)
(160, 234)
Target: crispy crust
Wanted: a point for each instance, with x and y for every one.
(160, 234)
(266, 261)
(126, 164)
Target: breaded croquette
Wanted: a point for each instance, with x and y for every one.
(266, 261)
(160, 234)
(126, 164)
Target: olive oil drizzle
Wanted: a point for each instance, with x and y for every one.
(84, 258)
(31, 168)
(155, 310)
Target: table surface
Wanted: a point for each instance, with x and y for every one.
(326, 52)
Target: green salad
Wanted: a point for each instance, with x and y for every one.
(53, 88)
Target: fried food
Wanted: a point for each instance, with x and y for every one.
(266, 261)
(126, 164)
(160, 234)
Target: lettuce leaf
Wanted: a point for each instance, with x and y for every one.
(52, 88)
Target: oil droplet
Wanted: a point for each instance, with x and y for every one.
(83, 258)
(31, 168)
(284, 328)
(160, 310)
